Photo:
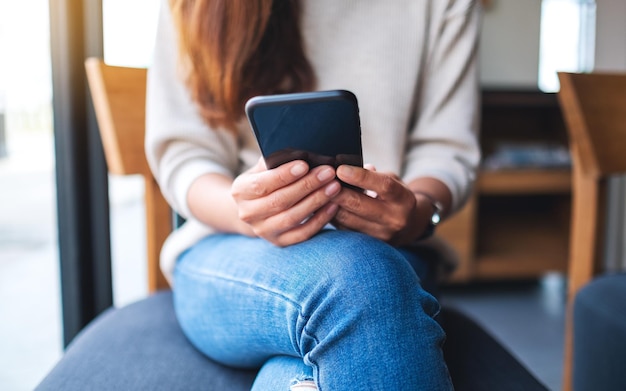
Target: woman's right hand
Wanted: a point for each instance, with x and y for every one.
(287, 204)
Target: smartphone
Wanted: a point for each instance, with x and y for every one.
(321, 127)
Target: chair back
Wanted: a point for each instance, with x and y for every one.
(119, 99)
(594, 108)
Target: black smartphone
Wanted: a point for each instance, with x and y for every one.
(321, 127)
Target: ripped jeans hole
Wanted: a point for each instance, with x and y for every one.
(303, 385)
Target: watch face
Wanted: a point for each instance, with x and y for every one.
(436, 217)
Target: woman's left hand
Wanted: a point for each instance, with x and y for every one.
(392, 215)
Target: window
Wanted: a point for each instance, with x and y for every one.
(30, 333)
(129, 30)
(567, 39)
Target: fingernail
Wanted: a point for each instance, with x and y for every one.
(326, 174)
(346, 170)
(332, 189)
(332, 209)
(298, 169)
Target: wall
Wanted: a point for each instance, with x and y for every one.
(510, 44)
(611, 57)
(610, 35)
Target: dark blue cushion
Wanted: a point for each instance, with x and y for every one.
(140, 347)
(600, 335)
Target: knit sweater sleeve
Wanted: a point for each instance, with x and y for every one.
(443, 143)
(179, 145)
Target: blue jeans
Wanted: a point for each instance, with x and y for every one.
(342, 309)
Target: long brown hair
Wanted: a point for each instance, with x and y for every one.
(235, 49)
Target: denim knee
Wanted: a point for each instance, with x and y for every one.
(365, 272)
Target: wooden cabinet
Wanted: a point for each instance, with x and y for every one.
(516, 225)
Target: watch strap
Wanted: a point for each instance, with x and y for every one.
(435, 218)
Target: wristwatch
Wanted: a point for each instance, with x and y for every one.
(435, 218)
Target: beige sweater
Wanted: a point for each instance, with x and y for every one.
(411, 63)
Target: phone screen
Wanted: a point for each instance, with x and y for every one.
(318, 127)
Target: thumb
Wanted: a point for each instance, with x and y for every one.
(259, 166)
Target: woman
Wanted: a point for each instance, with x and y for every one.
(329, 309)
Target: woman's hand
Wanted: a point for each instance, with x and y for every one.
(288, 204)
(388, 210)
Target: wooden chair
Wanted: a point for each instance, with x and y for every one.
(594, 107)
(141, 346)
